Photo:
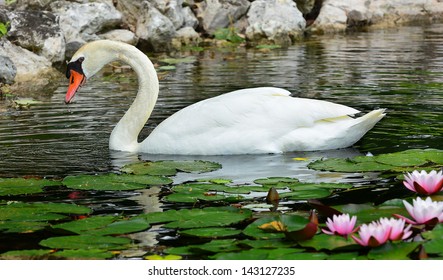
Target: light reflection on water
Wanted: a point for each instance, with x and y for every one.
(400, 70)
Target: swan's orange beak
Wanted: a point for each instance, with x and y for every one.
(76, 80)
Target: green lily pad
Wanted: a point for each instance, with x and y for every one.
(310, 186)
(194, 192)
(104, 225)
(253, 230)
(367, 213)
(327, 242)
(21, 226)
(84, 254)
(40, 211)
(384, 162)
(170, 60)
(27, 254)
(413, 157)
(346, 256)
(272, 181)
(20, 186)
(216, 246)
(434, 246)
(167, 68)
(211, 232)
(163, 258)
(274, 254)
(25, 102)
(198, 218)
(114, 182)
(88, 242)
(393, 251)
(306, 194)
(170, 168)
(348, 165)
(265, 243)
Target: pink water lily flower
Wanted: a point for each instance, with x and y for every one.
(398, 231)
(423, 211)
(340, 225)
(373, 234)
(423, 182)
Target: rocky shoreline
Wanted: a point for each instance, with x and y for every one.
(38, 36)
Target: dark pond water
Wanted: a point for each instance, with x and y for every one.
(397, 69)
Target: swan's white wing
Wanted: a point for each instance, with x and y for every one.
(244, 121)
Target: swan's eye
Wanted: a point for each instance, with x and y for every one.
(76, 66)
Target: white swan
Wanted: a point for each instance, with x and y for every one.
(247, 121)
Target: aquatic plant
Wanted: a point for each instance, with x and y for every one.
(423, 182)
(341, 225)
(397, 228)
(424, 212)
(373, 234)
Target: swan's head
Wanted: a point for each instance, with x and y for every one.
(86, 62)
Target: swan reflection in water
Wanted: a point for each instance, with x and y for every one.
(244, 169)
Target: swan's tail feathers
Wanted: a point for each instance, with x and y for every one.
(370, 119)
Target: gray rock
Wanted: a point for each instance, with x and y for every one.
(7, 70)
(37, 31)
(154, 30)
(189, 18)
(130, 10)
(338, 15)
(215, 14)
(275, 21)
(121, 35)
(186, 36)
(174, 11)
(33, 71)
(82, 21)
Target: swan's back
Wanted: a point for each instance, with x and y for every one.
(257, 120)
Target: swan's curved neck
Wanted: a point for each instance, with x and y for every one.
(125, 134)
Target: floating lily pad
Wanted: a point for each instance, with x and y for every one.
(27, 254)
(306, 194)
(414, 157)
(393, 251)
(20, 186)
(272, 181)
(21, 226)
(211, 232)
(40, 211)
(385, 162)
(274, 254)
(163, 258)
(114, 182)
(104, 225)
(170, 168)
(170, 60)
(84, 254)
(25, 102)
(265, 244)
(434, 245)
(86, 242)
(198, 218)
(367, 213)
(194, 192)
(167, 68)
(254, 231)
(215, 246)
(327, 242)
(348, 165)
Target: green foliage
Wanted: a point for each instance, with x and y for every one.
(394, 162)
(3, 28)
(228, 34)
